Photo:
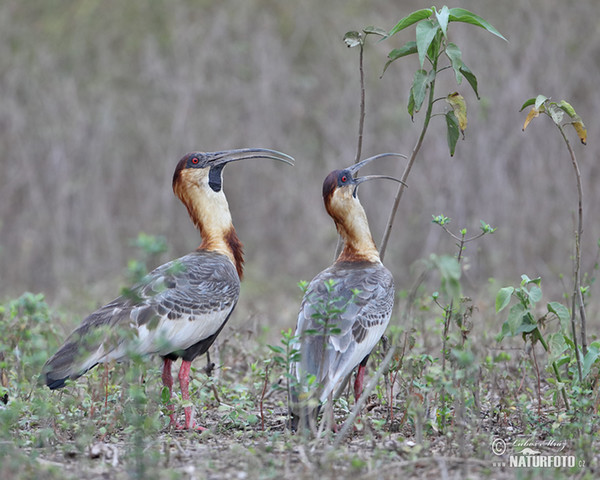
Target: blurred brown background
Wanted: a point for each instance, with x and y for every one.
(101, 98)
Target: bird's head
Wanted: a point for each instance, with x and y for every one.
(340, 186)
(204, 169)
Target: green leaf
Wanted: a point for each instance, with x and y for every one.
(527, 325)
(590, 358)
(486, 227)
(453, 131)
(527, 103)
(539, 101)
(556, 345)
(407, 49)
(471, 78)
(577, 122)
(426, 31)
(418, 89)
(442, 18)
(525, 280)
(353, 39)
(465, 16)
(569, 342)
(535, 294)
(568, 108)
(515, 318)
(504, 333)
(411, 19)
(455, 56)
(503, 298)
(561, 312)
(375, 31)
(276, 349)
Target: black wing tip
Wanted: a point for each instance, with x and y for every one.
(53, 383)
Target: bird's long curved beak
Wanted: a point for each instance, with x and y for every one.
(366, 178)
(226, 156)
(354, 168)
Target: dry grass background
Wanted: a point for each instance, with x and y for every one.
(101, 98)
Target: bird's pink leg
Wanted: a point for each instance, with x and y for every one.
(358, 383)
(167, 379)
(184, 382)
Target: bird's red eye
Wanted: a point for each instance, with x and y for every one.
(344, 178)
(195, 160)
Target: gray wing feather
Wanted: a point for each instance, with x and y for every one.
(365, 294)
(193, 294)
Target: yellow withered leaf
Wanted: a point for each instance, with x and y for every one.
(581, 131)
(534, 112)
(458, 104)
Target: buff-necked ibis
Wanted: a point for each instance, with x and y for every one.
(346, 308)
(180, 307)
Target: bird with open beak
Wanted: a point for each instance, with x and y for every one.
(346, 308)
(179, 308)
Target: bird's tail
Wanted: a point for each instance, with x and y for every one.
(76, 356)
(62, 366)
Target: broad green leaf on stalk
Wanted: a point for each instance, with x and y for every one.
(411, 105)
(503, 298)
(375, 31)
(527, 103)
(535, 294)
(515, 318)
(453, 131)
(426, 32)
(505, 332)
(590, 358)
(353, 39)
(556, 346)
(565, 359)
(407, 49)
(434, 47)
(465, 16)
(442, 18)
(568, 108)
(459, 106)
(455, 56)
(411, 19)
(418, 91)
(525, 280)
(471, 78)
(561, 312)
(539, 101)
(528, 324)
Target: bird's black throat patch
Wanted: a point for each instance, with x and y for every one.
(214, 177)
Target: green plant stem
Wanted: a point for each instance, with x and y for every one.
(538, 334)
(361, 121)
(411, 161)
(577, 295)
(361, 127)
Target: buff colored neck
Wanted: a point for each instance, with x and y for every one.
(351, 222)
(209, 211)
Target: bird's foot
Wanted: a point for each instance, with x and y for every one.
(192, 426)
